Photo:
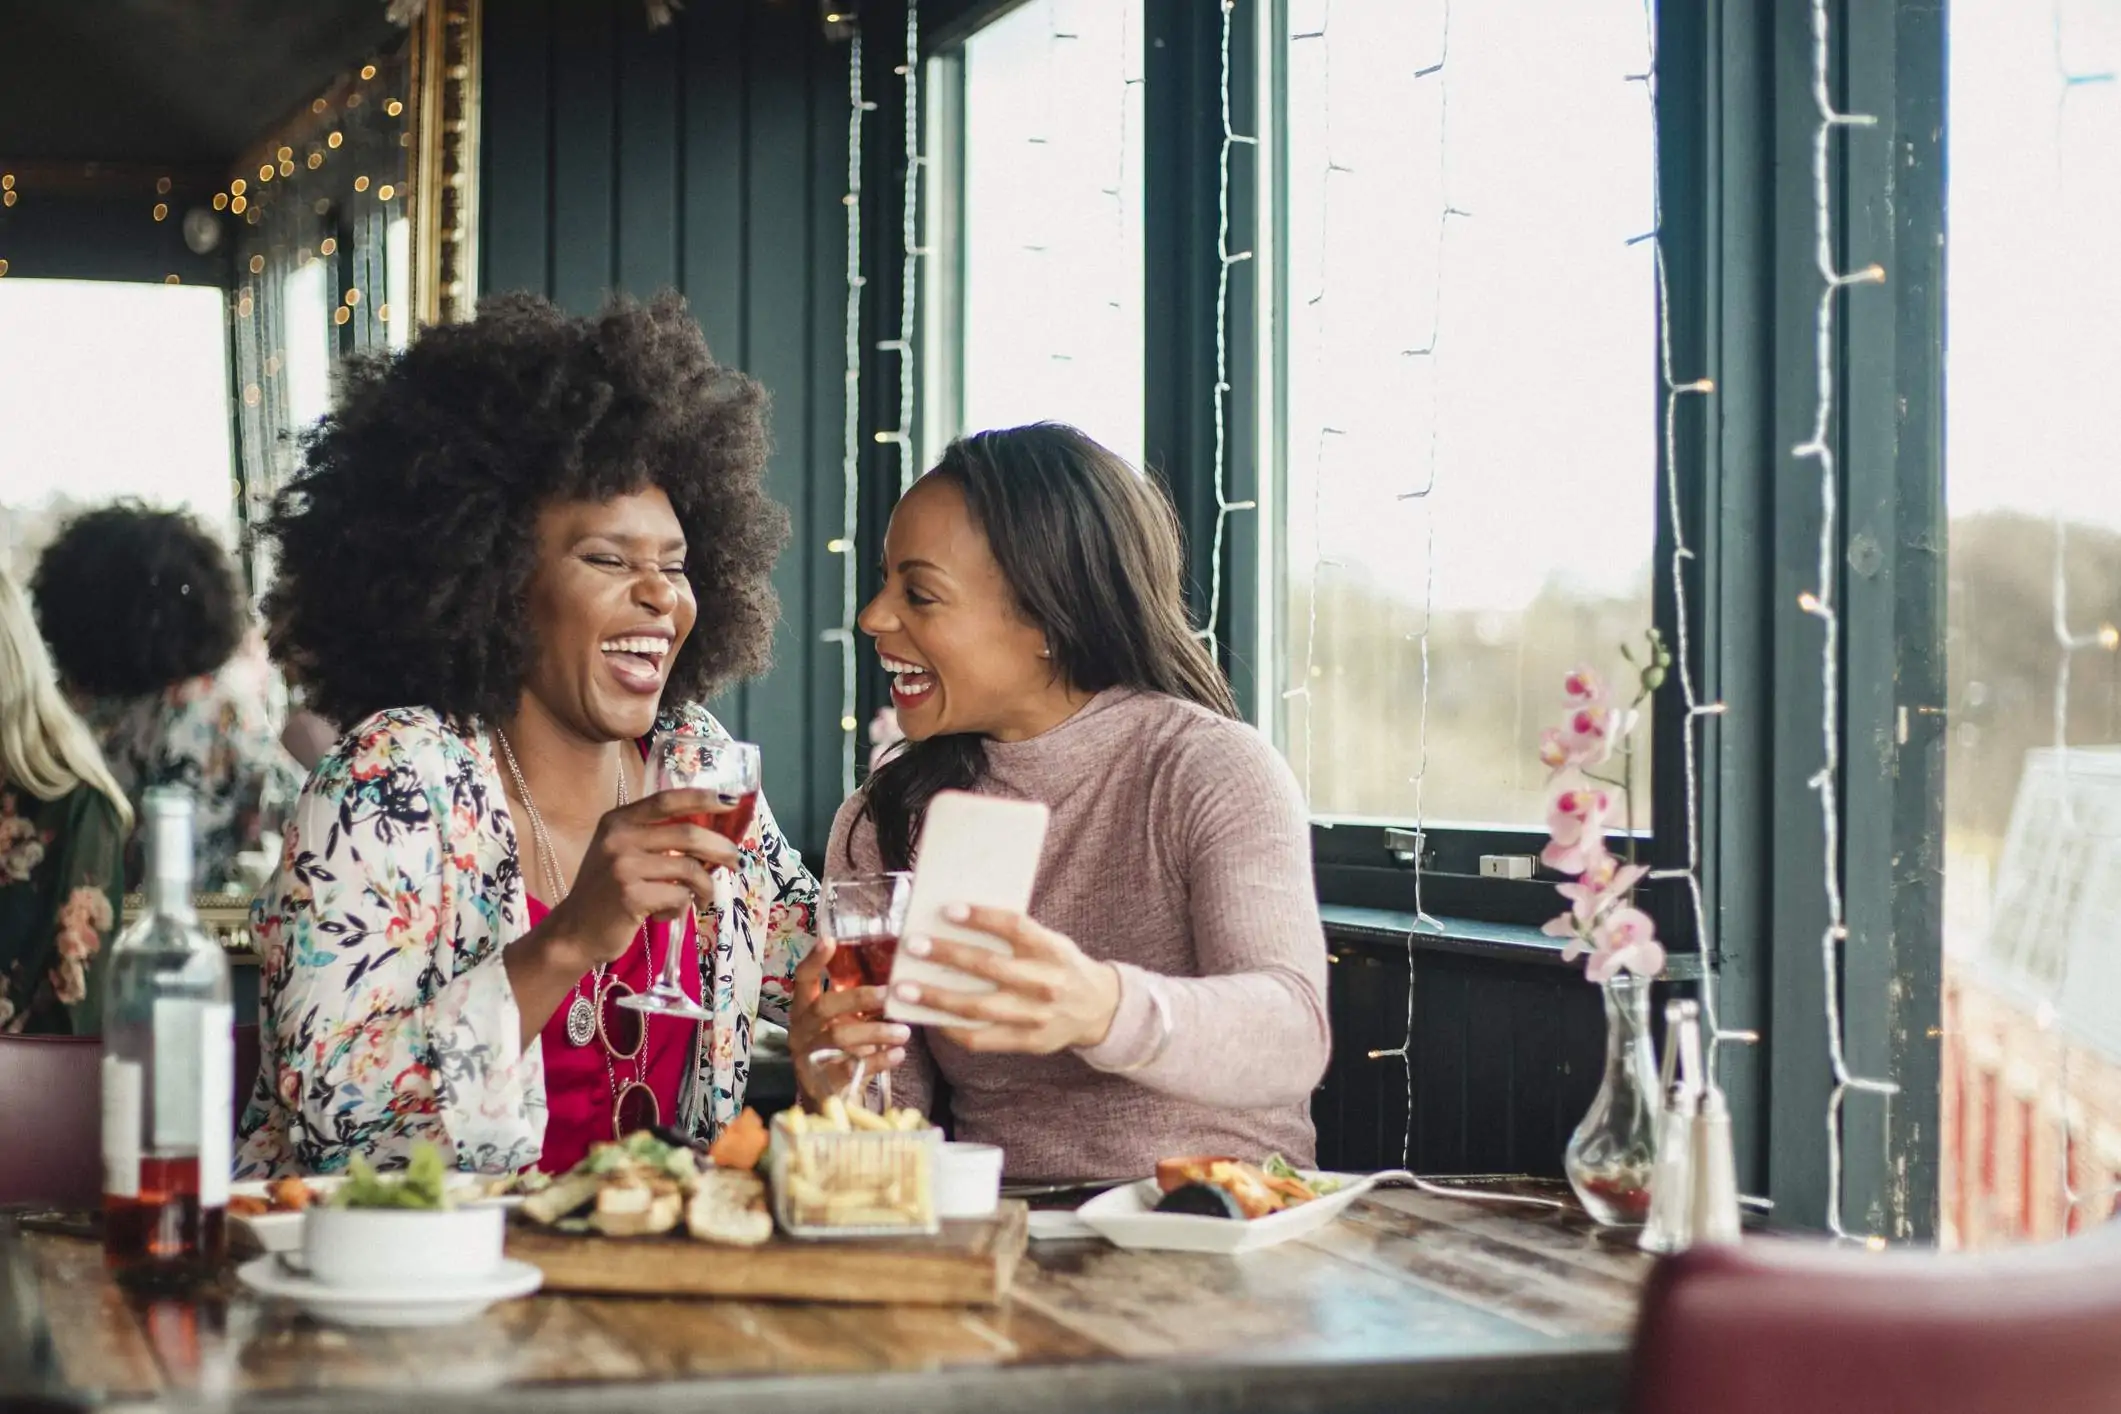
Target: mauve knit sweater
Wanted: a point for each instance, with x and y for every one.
(1180, 851)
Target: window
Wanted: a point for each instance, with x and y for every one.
(2033, 709)
(306, 334)
(1035, 208)
(1503, 355)
(106, 390)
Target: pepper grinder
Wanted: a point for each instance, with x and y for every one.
(1715, 1216)
(1672, 1181)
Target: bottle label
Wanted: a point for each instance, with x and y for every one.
(194, 1075)
(217, 1083)
(121, 1127)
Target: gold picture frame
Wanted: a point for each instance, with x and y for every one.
(445, 180)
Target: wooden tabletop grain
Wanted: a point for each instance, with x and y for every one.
(1409, 1303)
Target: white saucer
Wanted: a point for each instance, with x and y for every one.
(390, 1306)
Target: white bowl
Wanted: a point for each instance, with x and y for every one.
(370, 1247)
(282, 1232)
(968, 1181)
(1127, 1217)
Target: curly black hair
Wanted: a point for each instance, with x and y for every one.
(406, 543)
(133, 600)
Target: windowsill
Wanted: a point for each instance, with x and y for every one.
(1502, 942)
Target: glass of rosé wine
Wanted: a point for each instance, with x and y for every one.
(729, 771)
(863, 916)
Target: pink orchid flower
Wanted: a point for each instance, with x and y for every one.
(1576, 820)
(1584, 687)
(1626, 939)
(1606, 883)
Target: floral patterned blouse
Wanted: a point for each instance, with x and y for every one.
(387, 1017)
(219, 736)
(61, 887)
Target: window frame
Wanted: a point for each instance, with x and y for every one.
(1737, 123)
(1359, 863)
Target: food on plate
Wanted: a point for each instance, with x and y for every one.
(847, 1167)
(729, 1205)
(422, 1186)
(282, 1195)
(515, 1185)
(1254, 1190)
(644, 1186)
(1203, 1200)
(835, 1116)
(741, 1144)
(638, 1204)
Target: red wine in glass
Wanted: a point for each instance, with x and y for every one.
(728, 770)
(862, 962)
(732, 820)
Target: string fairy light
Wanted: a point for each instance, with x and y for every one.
(1821, 602)
(1043, 140)
(1430, 353)
(1226, 259)
(1305, 691)
(913, 250)
(851, 424)
(2068, 643)
(1696, 712)
(1129, 85)
(1321, 562)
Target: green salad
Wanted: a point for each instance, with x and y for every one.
(1278, 1167)
(423, 1185)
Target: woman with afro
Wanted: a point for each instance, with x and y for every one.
(517, 550)
(148, 627)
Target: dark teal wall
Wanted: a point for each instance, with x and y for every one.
(709, 156)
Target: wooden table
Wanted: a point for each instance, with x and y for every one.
(1407, 1303)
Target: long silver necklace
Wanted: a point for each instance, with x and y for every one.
(582, 1010)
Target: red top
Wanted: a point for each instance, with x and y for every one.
(579, 1092)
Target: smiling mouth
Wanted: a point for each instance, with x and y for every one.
(911, 683)
(637, 660)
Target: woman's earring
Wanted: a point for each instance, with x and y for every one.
(1045, 652)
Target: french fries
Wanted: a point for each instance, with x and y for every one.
(848, 1168)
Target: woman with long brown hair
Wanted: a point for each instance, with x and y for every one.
(1166, 993)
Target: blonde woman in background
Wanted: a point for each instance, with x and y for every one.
(63, 826)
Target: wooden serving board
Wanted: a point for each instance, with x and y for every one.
(966, 1264)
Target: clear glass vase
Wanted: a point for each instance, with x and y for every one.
(1612, 1153)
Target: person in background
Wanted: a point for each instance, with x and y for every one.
(515, 551)
(63, 823)
(1166, 996)
(148, 627)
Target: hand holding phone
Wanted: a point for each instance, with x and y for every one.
(980, 851)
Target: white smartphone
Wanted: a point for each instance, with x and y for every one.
(977, 850)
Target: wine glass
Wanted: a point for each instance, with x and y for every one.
(863, 917)
(729, 770)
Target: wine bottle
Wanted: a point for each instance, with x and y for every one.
(168, 1073)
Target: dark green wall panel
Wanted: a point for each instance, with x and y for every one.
(709, 156)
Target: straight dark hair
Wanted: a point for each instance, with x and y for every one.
(1091, 550)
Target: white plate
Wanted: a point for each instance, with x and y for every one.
(423, 1305)
(282, 1232)
(1127, 1217)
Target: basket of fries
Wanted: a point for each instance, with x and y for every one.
(848, 1172)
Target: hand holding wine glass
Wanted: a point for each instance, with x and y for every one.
(836, 1026)
(640, 863)
(719, 782)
